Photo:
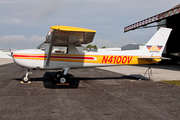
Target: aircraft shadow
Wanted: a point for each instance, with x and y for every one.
(168, 67)
(49, 82)
(139, 76)
(105, 78)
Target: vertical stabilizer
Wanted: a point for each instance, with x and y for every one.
(156, 44)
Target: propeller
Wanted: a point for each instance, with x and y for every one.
(11, 55)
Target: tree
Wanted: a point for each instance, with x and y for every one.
(103, 47)
(94, 47)
(91, 47)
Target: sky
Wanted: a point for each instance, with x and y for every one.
(24, 24)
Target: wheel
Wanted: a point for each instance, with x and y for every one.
(62, 79)
(58, 74)
(25, 79)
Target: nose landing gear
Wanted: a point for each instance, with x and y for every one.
(26, 78)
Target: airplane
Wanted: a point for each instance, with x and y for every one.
(63, 50)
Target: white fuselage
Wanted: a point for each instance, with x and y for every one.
(36, 58)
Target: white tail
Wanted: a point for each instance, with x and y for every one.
(156, 44)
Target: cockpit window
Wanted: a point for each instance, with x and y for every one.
(59, 49)
(42, 46)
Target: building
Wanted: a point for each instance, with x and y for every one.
(169, 19)
(133, 46)
(108, 49)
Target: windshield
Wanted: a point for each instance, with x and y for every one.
(49, 35)
(42, 46)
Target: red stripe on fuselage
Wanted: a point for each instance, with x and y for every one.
(32, 56)
(29, 56)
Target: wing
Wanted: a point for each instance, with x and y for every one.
(65, 35)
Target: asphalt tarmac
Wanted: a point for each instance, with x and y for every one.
(94, 94)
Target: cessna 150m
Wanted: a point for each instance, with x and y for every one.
(62, 51)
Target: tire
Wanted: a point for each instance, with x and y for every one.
(62, 79)
(58, 74)
(25, 79)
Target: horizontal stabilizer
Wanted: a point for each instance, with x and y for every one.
(162, 58)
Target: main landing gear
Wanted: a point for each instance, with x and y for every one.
(26, 78)
(61, 76)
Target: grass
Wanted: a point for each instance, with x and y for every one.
(174, 82)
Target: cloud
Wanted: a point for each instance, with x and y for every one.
(20, 41)
(16, 1)
(103, 1)
(107, 17)
(103, 42)
(12, 20)
(118, 42)
(118, 39)
(16, 20)
(48, 8)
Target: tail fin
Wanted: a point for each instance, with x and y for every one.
(156, 44)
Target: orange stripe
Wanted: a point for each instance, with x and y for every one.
(108, 59)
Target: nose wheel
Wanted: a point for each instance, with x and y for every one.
(26, 78)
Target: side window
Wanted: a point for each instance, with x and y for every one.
(81, 49)
(59, 50)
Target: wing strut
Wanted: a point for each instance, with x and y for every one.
(49, 53)
(50, 49)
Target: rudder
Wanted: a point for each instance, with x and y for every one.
(156, 44)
